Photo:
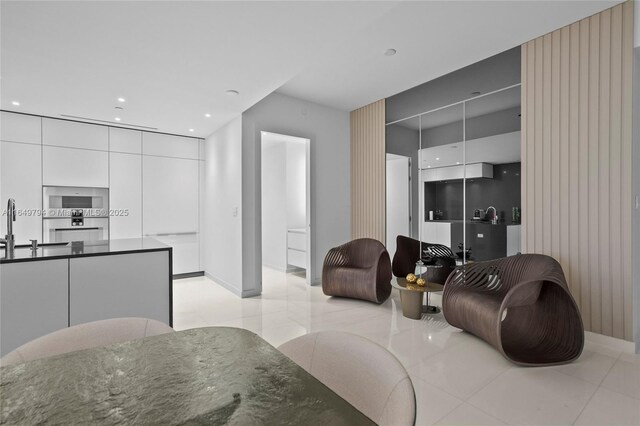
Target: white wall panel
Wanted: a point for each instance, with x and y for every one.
(72, 134)
(74, 167)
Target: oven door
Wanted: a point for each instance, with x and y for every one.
(60, 230)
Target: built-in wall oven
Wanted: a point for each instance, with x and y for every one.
(75, 214)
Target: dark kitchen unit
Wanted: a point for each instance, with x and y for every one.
(486, 240)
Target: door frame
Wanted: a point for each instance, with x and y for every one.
(307, 143)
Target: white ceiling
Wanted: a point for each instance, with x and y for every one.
(174, 60)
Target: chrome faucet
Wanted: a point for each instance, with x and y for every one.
(9, 240)
(494, 219)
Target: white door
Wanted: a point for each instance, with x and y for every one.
(21, 179)
(170, 207)
(125, 195)
(398, 200)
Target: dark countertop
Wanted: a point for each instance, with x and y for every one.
(213, 375)
(23, 253)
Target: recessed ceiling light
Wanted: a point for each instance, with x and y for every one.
(437, 158)
(475, 93)
(428, 167)
(117, 119)
(16, 103)
(207, 115)
(457, 162)
(390, 52)
(232, 92)
(122, 100)
(191, 130)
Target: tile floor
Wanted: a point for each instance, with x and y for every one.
(459, 380)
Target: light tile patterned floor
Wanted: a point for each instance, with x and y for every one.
(459, 380)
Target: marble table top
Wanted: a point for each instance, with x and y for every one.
(214, 375)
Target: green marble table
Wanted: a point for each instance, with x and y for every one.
(205, 376)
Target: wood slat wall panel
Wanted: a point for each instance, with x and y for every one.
(576, 161)
(368, 172)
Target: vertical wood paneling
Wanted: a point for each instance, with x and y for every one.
(368, 172)
(576, 161)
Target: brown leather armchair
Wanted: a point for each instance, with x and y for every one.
(408, 253)
(360, 269)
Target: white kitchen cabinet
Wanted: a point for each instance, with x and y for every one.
(21, 179)
(170, 146)
(125, 140)
(34, 301)
(437, 233)
(20, 128)
(186, 251)
(125, 195)
(75, 167)
(170, 207)
(132, 285)
(72, 134)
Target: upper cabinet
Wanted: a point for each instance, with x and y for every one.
(74, 167)
(125, 140)
(72, 134)
(20, 128)
(170, 146)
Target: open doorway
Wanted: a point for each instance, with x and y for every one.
(286, 242)
(398, 187)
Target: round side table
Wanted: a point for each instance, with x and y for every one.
(412, 296)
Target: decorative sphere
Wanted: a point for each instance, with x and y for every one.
(421, 282)
(411, 278)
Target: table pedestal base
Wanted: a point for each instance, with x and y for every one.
(412, 307)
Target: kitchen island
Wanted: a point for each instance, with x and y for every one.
(60, 285)
(487, 241)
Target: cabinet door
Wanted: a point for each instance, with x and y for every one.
(170, 146)
(75, 167)
(20, 128)
(125, 195)
(170, 195)
(34, 301)
(125, 140)
(126, 285)
(21, 179)
(72, 134)
(170, 207)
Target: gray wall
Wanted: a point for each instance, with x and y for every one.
(496, 123)
(328, 130)
(496, 72)
(402, 141)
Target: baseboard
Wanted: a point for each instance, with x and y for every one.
(233, 289)
(188, 275)
(610, 342)
(274, 267)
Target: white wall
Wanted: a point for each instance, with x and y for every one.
(296, 185)
(274, 204)
(328, 130)
(222, 227)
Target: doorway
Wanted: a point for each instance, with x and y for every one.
(398, 187)
(286, 195)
